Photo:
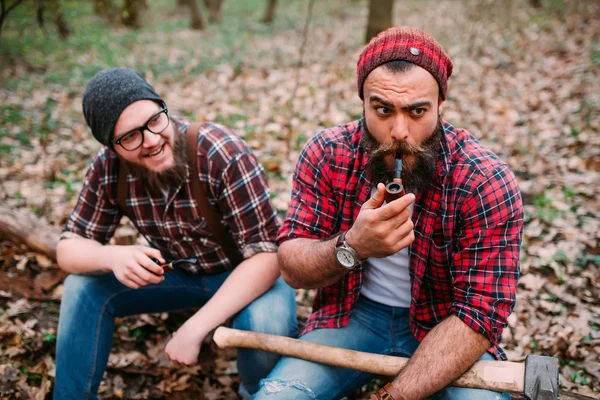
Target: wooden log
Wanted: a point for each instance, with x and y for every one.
(20, 228)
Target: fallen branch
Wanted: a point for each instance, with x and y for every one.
(24, 229)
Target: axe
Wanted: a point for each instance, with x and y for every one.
(536, 379)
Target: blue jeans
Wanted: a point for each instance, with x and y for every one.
(90, 304)
(373, 328)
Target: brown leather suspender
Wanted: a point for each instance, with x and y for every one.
(212, 216)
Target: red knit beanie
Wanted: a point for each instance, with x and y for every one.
(408, 44)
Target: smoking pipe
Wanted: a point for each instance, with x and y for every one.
(395, 189)
(170, 266)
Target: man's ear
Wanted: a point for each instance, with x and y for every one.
(440, 105)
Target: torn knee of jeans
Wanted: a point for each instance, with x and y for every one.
(273, 386)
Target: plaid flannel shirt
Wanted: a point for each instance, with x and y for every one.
(468, 228)
(235, 183)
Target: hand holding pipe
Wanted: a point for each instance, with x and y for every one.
(395, 189)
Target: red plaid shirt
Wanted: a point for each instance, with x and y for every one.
(468, 227)
(235, 183)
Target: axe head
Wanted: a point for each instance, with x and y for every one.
(541, 378)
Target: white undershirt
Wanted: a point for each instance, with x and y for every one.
(387, 280)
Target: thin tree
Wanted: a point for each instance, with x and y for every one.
(196, 21)
(380, 17)
(214, 9)
(5, 8)
(269, 12)
(130, 16)
(53, 6)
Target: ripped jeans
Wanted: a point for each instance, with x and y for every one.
(373, 328)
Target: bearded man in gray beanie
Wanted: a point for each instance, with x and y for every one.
(145, 160)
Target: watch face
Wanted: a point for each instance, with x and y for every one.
(345, 258)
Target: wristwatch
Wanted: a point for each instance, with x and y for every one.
(346, 255)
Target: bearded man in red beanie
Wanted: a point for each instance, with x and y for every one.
(430, 275)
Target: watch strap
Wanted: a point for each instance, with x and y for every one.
(341, 238)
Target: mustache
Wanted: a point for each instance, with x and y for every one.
(403, 147)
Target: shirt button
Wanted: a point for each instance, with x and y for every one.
(414, 51)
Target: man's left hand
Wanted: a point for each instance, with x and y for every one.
(184, 346)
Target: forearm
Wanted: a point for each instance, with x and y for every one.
(309, 263)
(80, 256)
(253, 277)
(440, 359)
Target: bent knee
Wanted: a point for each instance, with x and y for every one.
(283, 389)
(78, 288)
(456, 393)
(274, 312)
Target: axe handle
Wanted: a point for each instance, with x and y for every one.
(500, 376)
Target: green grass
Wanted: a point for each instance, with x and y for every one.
(95, 44)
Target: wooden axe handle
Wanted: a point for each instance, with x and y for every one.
(500, 376)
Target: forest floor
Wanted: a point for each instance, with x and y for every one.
(525, 82)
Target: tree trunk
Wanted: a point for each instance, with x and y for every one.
(380, 17)
(53, 6)
(196, 21)
(269, 12)
(64, 30)
(23, 229)
(130, 15)
(536, 3)
(214, 9)
(4, 10)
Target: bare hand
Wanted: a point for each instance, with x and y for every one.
(382, 230)
(184, 346)
(133, 266)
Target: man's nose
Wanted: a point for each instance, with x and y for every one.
(150, 139)
(399, 128)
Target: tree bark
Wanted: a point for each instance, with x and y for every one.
(53, 6)
(20, 228)
(6, 8)
(269, 12)
(214, 9)
(130, 15)
(380, 17)
(196, 21)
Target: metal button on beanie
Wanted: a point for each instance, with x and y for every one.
(408, 44)
(107, 94)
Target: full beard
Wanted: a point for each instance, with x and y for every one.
(418, 175)
(157, 182)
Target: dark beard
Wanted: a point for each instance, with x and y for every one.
(416, 177)
(157, 182)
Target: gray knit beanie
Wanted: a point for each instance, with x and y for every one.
(107, 94)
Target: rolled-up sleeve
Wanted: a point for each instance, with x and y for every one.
(486, 263)
(246, 204)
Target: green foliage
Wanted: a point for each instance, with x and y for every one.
(95, 44)
(49, 337)
(545, 210)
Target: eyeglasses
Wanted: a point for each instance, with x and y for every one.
(135, 137)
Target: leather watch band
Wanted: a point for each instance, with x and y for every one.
(388, 392)
(340, 239)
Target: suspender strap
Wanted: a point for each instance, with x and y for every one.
(212, 216)
(122, 187)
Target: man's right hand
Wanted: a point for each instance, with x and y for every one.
(382, 230)
(133, 266)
